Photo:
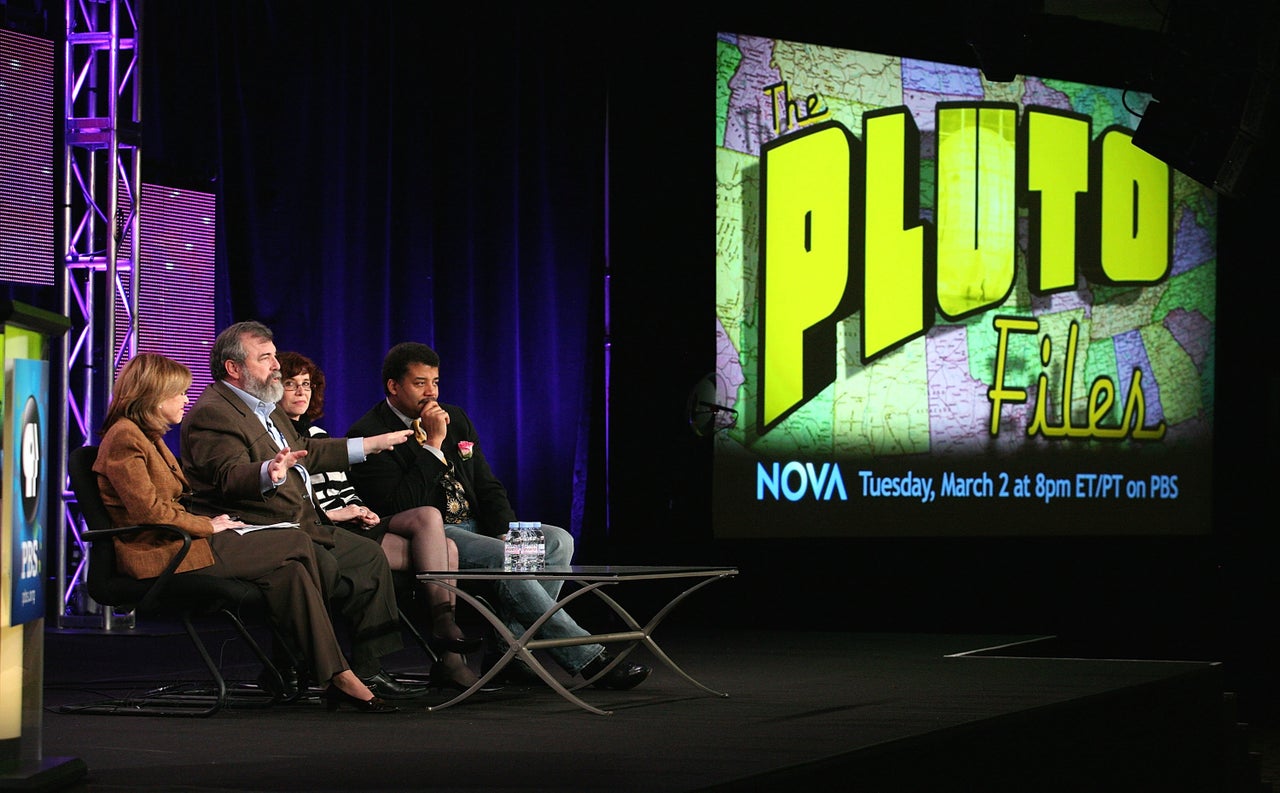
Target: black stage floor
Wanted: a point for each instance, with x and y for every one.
(862, 712)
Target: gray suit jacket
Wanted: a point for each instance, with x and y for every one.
(223, 446)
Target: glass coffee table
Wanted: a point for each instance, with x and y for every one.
(587, 579)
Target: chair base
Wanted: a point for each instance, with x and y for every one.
(177, 700)
(191, 699)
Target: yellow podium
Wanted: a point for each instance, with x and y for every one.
(24, 512)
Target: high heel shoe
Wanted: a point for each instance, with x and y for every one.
(463, 646)
(442, 619)
(335, 696)
(440, 678)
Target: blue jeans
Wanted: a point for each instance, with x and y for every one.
(521, 603)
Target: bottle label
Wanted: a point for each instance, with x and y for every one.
(513, 554)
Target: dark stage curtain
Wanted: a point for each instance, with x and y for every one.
(384, 175)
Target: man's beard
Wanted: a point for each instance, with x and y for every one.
(268, 390)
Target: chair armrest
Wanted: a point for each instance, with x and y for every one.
(97, 534)
(161, 580)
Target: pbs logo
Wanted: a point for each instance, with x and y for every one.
(31, 479)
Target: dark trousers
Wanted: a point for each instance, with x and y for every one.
(283, 564)
(358, 581)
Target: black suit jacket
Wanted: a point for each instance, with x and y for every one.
(408, 475)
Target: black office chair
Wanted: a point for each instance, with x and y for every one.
(186, 597)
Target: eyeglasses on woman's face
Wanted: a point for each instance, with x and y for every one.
(297, 385)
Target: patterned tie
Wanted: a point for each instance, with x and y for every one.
(456, 508)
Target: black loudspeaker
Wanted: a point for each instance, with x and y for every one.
(1212, 113)
(1194, 140)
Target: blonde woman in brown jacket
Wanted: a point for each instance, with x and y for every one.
(142, 483)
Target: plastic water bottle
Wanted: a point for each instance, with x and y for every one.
(530, 530)
(537, 543)
(513, 552)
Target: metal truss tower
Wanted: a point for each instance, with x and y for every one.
(102, 166)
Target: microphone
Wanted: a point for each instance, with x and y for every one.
(704, 412)
(714, 408)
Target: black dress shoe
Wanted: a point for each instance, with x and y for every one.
(620, 678)
(334, 696)
(384, 685)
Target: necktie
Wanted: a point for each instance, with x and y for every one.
(274, 432)
(456, 509)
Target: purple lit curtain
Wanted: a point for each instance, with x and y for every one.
(385, 175)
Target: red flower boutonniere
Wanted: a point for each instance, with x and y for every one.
(464, 449)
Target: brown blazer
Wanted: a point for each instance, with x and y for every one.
(223, 446)
(141, 483)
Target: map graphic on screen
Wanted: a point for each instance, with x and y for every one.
(947, 306)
